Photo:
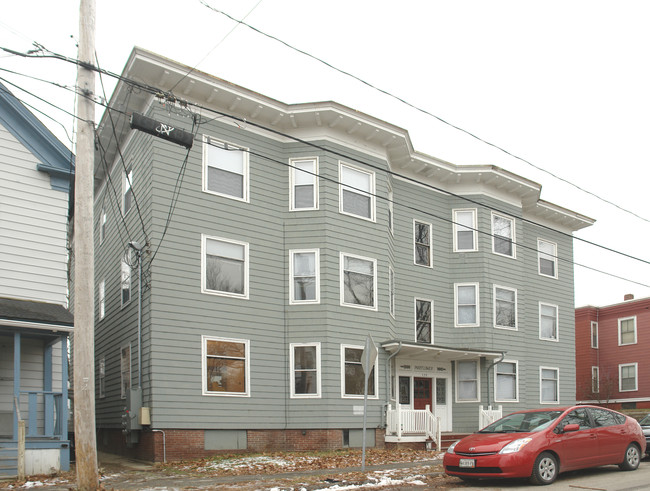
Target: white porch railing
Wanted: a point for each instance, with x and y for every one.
(413, 422)
(489, 415)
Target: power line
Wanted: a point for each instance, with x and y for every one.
(157, 91)
(424, 111)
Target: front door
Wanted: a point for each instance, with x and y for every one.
(422, 393)
(442, 408)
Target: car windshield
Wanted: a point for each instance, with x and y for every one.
(522, 422)
(645, 421)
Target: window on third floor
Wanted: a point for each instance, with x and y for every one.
(547, 258)
(304, 184)
(422, 243)
(357, 192)
(627, 331)
(225, 169)
(503, 235)
(465, 239)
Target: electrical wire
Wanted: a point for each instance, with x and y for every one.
(154, 90)
(424, 111)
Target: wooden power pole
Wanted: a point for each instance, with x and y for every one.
(84, 278)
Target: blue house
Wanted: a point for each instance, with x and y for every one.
(36, 170)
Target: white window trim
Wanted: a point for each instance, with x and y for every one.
(355, 396)
(204, 368)
(595, 371)
(594, 329)
(557, 387)
(292, 182)
(391, 291)
(513, 238)
(126, 262)
(415, 318)
(620, 343)
(391, 211)
(494, 308)
(102, 226)
(101, 377)
(555, 259)
(478, 382)
(316, 253)
(102, 299)
(474, 229)
(371, 193)
(245, 295)
(636, 377)
(374, 306)
(516, 375)
(127, 182)
(478, 310)
(207, 140)
(317, 395)
(430, 258)
(557, 322)
(130, 371)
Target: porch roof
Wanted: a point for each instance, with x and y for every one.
(432, 352)
(35, 315)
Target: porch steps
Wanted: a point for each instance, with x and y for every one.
(446, 439)
(8, 461)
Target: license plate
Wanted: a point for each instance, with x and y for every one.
(467, 463)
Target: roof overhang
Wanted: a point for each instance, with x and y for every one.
(432, 352)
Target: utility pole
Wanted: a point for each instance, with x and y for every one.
(84, 279)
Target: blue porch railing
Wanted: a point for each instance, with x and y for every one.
(45, 413)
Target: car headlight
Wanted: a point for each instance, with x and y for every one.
(515, 445)
(451, 447)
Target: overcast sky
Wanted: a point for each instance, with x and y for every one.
(563, 85)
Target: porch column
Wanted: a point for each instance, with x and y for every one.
(63, 417)
(16, 382)
(48, 398)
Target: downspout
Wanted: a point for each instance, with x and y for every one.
(487, 371)
(388, 383)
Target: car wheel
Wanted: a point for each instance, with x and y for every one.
(545, 470)
(632, 458)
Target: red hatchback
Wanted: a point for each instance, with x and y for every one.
(541, 443)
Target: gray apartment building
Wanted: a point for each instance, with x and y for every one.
(247, 249)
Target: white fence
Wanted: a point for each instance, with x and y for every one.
(413, 422)
(489, 415)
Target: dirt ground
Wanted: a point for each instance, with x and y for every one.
(340, 470)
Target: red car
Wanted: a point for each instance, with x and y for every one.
(541, 443)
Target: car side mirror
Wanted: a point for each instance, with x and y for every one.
(570, 427)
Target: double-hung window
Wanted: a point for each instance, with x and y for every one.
(466, 312)
(594, 335)
(423, 321)
(391, 211)
(627, 377)
(127, 191)
(505, 382)
(391, 291)
(422, 243)
(547, 258)
(102, 299)
(352, 374)
(358, 281)
(505, 307)
(356, 192)
(305, 370)
(225, 267)
(465, 239)
(503, 235)
(549, 382)
(126, 278)
(102, 226)
(304, 270)
(467, 381)
(595, 380)
(225, 169)
(125, 370)
(102, 377)
(627, 331)
(548, 323)
(304, 184)
(226, 366)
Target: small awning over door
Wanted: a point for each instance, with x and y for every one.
(432, 352)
